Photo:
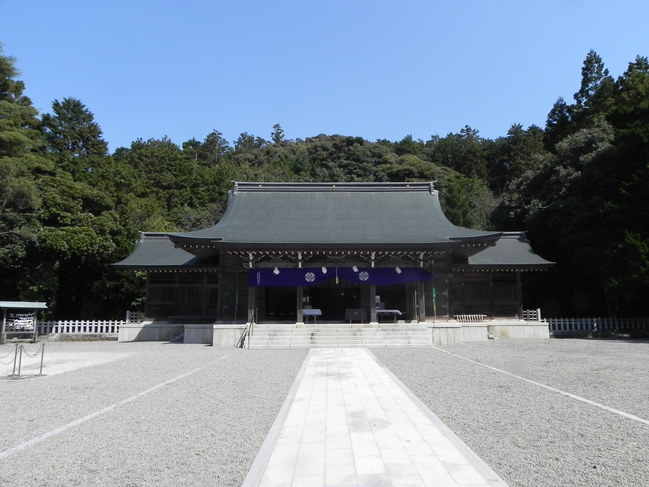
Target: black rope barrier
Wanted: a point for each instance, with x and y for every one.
(18, 359)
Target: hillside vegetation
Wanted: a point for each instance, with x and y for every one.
(579, 186)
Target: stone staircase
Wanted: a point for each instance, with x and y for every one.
(340, 335)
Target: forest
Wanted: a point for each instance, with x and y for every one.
(579, 186)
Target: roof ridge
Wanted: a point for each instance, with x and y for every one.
(240, 186)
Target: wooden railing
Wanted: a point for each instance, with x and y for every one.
(473, 318)
(532, 314)
(134, 316)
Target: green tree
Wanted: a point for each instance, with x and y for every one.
(595, 99)
(514, 154)
(213, 149)
(408, 145)
(586, 204)
(277, 135)
(558, 123)
(72, 131)
(595, 94)
(247, 142)
(19, 197)
(467, 202)
(19, 125)
(464, 152)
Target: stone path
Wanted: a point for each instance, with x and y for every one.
(348, 421)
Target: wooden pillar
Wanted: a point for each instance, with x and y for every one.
(219, 298)
(204, 294)
(147, 294)
(299, 303)
(421, 297)
(373, 316)
(251, 304)
(462, 297)
(492, 296)
(220, 288)
(175, 306)
(519, 294)
(411, 305)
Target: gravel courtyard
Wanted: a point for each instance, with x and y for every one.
(140, 414)
(532, 436)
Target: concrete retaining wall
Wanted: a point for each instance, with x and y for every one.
(198, 333)
(226, 336)
(149, 332)
(520, 329)
(448, 333)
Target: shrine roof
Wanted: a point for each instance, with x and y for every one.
(307, 215)
(154, 251)
(512, 251)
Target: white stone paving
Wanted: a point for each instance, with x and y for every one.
(351, 423)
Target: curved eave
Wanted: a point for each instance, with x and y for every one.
(502, 268)
(490, 237)
(190, 242)
(165, 268)
(205, 248)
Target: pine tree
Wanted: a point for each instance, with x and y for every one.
(19, 197)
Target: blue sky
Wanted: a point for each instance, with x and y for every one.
(380, 69)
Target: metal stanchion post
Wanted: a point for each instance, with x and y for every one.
(16, 360)
(20, 360)
(40, 372)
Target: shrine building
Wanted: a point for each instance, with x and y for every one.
(298, 253)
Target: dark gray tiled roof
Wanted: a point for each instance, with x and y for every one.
(511, 250)
(333, 214)
(154, 251)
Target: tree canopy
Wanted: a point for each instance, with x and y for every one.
(579, 185)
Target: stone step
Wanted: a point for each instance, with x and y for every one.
(340, 335)
(338, 339)
(339, 330)
(340, 327)
(340, 345)
(337, 343)
(343, 334)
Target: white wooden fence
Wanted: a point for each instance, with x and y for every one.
(566, 326)
(557, 326)
(81, 327)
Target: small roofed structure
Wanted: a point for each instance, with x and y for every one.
(345, 249)
(20, 318)
(490, 281)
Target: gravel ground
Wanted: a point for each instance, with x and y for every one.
(206, 424)
(529, 435)
(203, 429)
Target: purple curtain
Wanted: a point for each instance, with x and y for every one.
(312, 276)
